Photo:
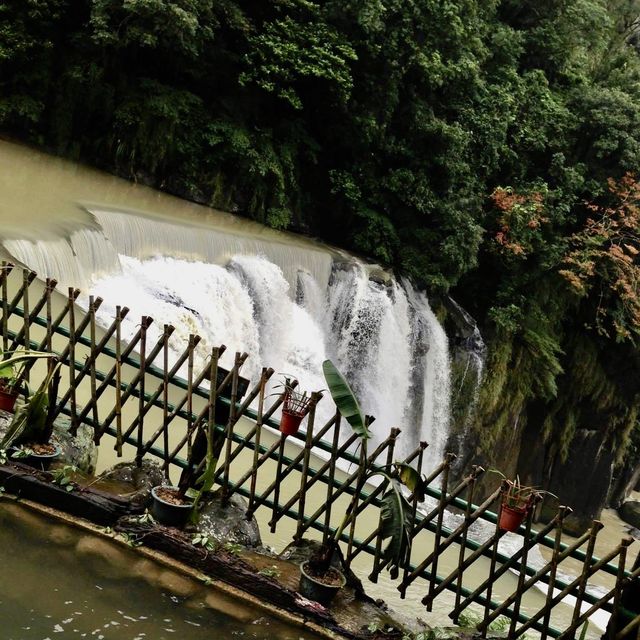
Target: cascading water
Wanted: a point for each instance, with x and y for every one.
(289, 307)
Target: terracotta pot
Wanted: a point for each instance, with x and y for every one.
(290, 422)
(294, 409)
(8, 400)
(511, 517)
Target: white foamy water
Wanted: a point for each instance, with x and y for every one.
(289, 307)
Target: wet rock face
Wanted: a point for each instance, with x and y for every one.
(582, 482)
(136, 482)
(228, 523)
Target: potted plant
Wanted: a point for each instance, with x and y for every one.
(175, 506)
(170, 507)
(318, 579)
(29, 433)
(11, 369)
(295, 407)
(517, 499)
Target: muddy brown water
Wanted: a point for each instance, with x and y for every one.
(58, 582)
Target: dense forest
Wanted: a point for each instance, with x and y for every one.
(484, 148)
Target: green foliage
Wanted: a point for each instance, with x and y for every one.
(345, 399)
(396, 522)
(292, 50)
(270, 572)
(202, 540)
(63, 476)
(32, 422)
(233, 548)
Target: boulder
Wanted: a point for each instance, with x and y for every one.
(127, 479)
(228, 523)
(630, 513)
(79, 450)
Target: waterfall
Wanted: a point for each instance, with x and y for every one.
(288, 306)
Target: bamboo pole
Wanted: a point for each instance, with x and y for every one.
(190, 355)
(308, 440)
(13, 305)
(332, 473)
(93, 354)
(86, 368)
(563, 511)
(582, 585)
(143, 367)
(7, 267)
(118, 365)
(165, 401)
(256, 447)
(524, 552)
(72, 358)
(230, 423)
(373, 576)
(49, 287)
(476, 471)
(55, 325)
(28, 318)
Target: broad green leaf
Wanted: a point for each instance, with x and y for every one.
(395, 518)
(345, 399)
(411, 479)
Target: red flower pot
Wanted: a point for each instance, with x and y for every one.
(8, 400)
(511, 517)
(290, 422)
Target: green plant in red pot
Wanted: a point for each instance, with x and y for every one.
(517, 500)
(294, 408)
(32, 425)
(12, 364)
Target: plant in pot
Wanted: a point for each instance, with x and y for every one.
(516, 501)
(12, 365)
(175, 506)
(319, 580)
(295, 406)
(30, 430)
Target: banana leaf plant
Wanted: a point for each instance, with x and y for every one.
(11, 368)
(33, 421)
(396, 512)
